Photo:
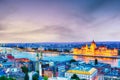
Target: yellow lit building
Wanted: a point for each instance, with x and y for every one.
(93, 50)
(87, 73)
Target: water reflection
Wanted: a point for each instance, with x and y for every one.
(113, 62)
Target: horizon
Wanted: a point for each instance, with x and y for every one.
(58, 42)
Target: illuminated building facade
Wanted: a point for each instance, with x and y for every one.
(93, 50)
(87, 73)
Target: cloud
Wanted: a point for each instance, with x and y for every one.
(2, 27)
(60, 31)
(6, 10)
(74, 20)
(94, 5)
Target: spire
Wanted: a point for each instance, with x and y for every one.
(93, 41)
(86, 46)
(37, 55)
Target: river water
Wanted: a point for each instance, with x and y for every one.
(32, 56)
(113, 62)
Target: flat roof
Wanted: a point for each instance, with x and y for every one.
(82, 70)
(8, 63)
(58, 78)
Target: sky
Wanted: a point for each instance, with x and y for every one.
(59, 20)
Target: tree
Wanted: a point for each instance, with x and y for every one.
(26, 76)
(75, 77)
(25, 70)
(35, 76)
(45, 78)
(118, 52)
(73, 60)
(96, 61)
(5, 78)
(11, 78)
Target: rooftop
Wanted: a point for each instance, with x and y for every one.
(115, 73)
(57, 78)
(8, 63)
(82, 70)
(100, 64)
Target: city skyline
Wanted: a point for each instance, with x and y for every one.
(59, 21)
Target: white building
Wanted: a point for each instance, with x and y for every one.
(82, 72)
(58, 78)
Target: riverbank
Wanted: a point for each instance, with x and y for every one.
(113, 57)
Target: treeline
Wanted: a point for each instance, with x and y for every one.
(6, 78)
(118, 52)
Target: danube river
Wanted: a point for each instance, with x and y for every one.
(32, 56)
(113, 62)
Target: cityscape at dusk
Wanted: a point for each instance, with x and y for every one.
(59, 40)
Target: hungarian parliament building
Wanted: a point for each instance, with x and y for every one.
(93, 50)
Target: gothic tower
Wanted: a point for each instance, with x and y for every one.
(40, 63)
(93, 46)
(37, 62)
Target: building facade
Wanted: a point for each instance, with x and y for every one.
(110, 77)
(58, 78)
(61, 70)
(87, 73)
(93, 50)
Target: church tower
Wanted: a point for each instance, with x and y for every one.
(37, 62)
(40, 64)
(39, 57)
(86, 48)
(93, 47)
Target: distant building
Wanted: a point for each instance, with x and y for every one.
(93, 50)
(48, 73)
(61, 70)
(58, 64)
(10, 57)
(58, 78)
(99, 66)
(7, 64)
(22, 60)
(2, 73)
(113, 74)
(111, 77)
(82, 72)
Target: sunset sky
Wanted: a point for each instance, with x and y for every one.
(59, 20)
